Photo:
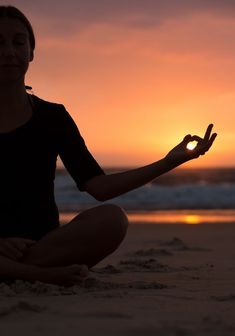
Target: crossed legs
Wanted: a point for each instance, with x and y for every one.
(87, 239)
(64, 255)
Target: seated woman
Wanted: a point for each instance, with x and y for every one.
(33, 132)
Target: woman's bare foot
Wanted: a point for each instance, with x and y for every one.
(65, 276)
(10, 270)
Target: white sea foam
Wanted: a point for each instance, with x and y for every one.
(152, 196)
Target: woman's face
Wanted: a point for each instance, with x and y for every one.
(15, 50)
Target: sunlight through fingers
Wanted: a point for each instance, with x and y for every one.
(192, 145)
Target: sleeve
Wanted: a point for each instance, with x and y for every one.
(73, 152)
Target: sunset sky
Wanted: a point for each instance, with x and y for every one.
(138, 75)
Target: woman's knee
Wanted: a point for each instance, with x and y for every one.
(116, 219)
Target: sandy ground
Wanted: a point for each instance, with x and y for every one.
(163, 280)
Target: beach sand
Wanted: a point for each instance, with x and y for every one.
(167, 279)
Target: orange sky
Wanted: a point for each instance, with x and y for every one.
(136, 80)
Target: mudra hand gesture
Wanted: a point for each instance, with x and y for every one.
(181, 153)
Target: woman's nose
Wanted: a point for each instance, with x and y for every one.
(7, 49)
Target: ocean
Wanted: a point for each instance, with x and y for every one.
(189, 196)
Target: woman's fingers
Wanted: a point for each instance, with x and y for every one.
(10, 251)
(206, 136)
(14, 247)
(21, 243)
(27, 241)
(207, 141)
(187, 139)
(204, 147)
(210, 142)
(182, 152)
(214, 135)
(13, 250)
(196, 138)
(208, 133)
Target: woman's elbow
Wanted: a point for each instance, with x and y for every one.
(100, 197)
(95, 188)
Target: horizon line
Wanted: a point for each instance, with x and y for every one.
(135, 167)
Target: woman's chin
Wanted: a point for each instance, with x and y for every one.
(10, 80)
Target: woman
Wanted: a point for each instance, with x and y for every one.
(33, 132)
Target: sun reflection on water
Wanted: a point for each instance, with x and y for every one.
(192, 219)
(171, 217)
(184, 217)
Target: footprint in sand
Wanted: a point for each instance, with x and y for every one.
(23, 288)
(230, 297)
(215, 325)
(93, 284)
(178, 245)
(21, 305)
(152, 252)
(108, 269)
(139, 265)
(146, 285)
(106, 315)
(150, 265)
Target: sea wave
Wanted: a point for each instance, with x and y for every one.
(151, 196)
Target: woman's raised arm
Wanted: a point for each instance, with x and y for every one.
(105, 187)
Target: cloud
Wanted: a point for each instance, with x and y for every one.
(177, 30)
(74, 15)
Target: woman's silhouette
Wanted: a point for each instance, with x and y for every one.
(33, 132)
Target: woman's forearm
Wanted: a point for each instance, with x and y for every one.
(113, 185)
(105, 187)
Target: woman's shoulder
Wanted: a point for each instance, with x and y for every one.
(46, 104)
(52, 113)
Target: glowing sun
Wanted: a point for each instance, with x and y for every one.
(191, 145)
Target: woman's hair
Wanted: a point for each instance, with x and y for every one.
(15, 13)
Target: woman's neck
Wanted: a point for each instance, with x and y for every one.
(12, 98)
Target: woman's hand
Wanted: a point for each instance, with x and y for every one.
(14, 247)
(181, 153)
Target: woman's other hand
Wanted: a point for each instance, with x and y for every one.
(14, 247)
(181, 153)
